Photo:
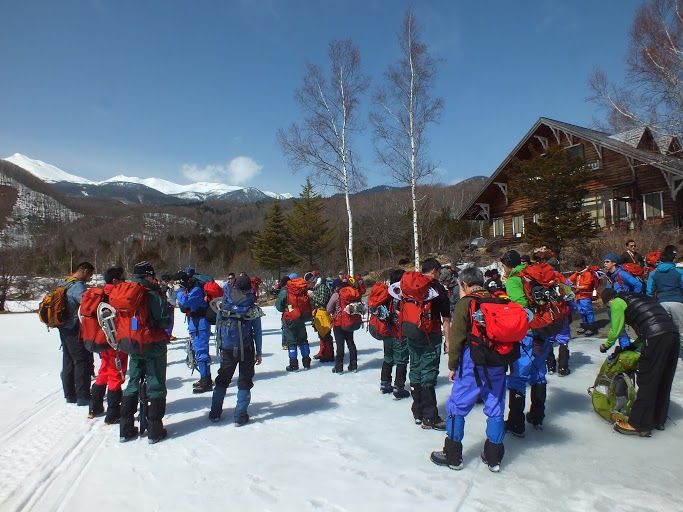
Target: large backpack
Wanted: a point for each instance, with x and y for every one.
(379, 309)
(235, 329)
(91, 333)
(548, 297)
(298, 304)
(497, 326)
(634, 269)
(134, 327)
(212, 290)
(351, 309)
(614, 392)
(416, 318)
(53, 310)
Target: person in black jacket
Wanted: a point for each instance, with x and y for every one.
(658, 359)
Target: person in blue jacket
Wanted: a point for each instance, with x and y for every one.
(191, 300)
(665, 284)
(241, 339)
(622, 282)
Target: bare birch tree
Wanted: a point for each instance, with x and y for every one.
(322, 143)
(403, 109)
(652, 92)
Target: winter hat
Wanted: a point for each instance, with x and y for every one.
(337, 283)
(144, 268)
(310, 276)
(511, 259)
(611, 256)
(243, 283)
(293, 275)
(189, 271)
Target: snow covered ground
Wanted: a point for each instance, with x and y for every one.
(317, 441)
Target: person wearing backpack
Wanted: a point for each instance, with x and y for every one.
(622, 282)
(584, 281)
(665, 284)
(77, 362)
(425, 311)
(294, 304)
(658, 359)
(141, 333)
(320, 296)
(241, 340)
(344, 323)
(630, 255)
(478, 356)
(192, 300)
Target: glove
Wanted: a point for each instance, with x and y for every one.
(603, 348)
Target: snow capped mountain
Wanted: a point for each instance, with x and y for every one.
(76, 186)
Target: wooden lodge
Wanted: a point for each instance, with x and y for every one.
(637, 178)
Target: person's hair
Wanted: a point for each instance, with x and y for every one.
(607, 294)
(541, 256)
(580, 263)
(668, 254)
(471, 276)
(85, 265)
(630, 241)
(396, 275)
(283, 281)
(113, 273)
(231, 275)
(511, 259)
(525, 258)
(430, 264)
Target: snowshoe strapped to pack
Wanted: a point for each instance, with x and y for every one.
(548, 297)
(298, 303)
(416, 318)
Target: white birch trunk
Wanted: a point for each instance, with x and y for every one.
(413, 162)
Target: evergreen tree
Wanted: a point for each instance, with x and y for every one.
(311, 238)
(270, 247)
(555, 182)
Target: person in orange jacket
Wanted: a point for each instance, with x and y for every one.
(585, 281)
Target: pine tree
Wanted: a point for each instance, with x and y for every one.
(555, 181)
(270, 247)
(311, 238)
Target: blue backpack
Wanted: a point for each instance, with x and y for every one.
(234, 320)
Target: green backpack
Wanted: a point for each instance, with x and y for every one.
(614, 391)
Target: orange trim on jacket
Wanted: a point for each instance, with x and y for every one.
(584, 282)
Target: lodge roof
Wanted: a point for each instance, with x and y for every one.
(616, 143)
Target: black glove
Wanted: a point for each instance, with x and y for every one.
(603, 348)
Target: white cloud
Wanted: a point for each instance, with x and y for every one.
(238, 171)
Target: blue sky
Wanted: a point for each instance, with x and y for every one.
(180, 89)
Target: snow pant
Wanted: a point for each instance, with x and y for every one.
(77, 366)
(199, 329)
(654, 376)
(395, 353)
(296, 336)
(585, 309)
(675, 310)
(245, 381)
(562, 338)
(108, 374)
(471, 383)
(342, 337)
(150, 365)
(530, 369)
(326, 349)
(424, 369)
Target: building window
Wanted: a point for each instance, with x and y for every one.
(535, 218)
(653, 206)
(620, 209)
(576, 151)
(595, 206)
(518, 225)
(498, 227)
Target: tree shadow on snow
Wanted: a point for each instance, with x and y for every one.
(675, 412)
(366, 351)
(273, 374)
(561, 400)
(265, 411)
(372, 364)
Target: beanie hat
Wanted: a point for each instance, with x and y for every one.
(511, 259)
(189, 271)
(310, 276)
(293, 275)
(144, 268)
(611, 256)
(243, 283)
(337, 283)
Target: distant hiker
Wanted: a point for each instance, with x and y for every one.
(631, 255)
(665, 284)
(240, 345)
(230, 281)
(142, 318)
(322, 321)
(585, 282)
(622, 282)
(493, 280)
(294, 304)
(657, 363)
(77, 362)
(425, 314)
(346, 319)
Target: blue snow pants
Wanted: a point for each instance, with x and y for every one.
(200, 332)
(530, 368)
(472, 382)
(585, 309)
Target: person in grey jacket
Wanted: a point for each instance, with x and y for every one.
(77, 362)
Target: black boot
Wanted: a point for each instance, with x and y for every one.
(515, 422)
(416, 407)
(563, 361)
(205, 384)
(537, 409)
(96, 400)
(551, 362)
(293, 365)
(306, 362)
(385, 376)
(113, 407)
(155, 427)
(127, 428)
(400, 390)
(451, 455)
(493, 455)
(582, 329)
(385, 387)
(430, 412)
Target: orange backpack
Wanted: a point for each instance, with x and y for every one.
(416, 317)
(133, 325)
(348, 317)
(379, 307)
(298, 304)
(91, 333)
(634, 269)
(52, 310)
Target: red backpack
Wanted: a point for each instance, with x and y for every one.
(416, 319)
(634, 269)
(213, 290)
(548, 296)
(380, 305)
(497, 326)
(256, 285)
(91, 334)
(298, 304)
(133, 325)
(652, 258)
(350, 311)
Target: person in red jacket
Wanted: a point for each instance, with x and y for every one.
(585, 281)
(109, 377)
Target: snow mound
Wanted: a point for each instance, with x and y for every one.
(44, 171)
